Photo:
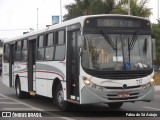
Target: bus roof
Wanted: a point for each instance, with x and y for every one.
(66, 23)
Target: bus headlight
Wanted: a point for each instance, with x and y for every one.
(97, 87)
(149, 84)
(152, 81)
(86, 80)
(90, 84)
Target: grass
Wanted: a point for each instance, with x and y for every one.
(157, 78)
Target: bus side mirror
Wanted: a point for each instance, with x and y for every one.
(81, 41)
(153, 49)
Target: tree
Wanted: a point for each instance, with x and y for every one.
(156, 35)
(88, 7)
(137, 8)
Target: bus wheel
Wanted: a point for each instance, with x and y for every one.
(63, 105)
(115, 105)
(20, 94)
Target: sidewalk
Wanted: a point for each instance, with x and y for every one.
(157, 88)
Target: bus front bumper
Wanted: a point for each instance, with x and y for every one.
(142, 93)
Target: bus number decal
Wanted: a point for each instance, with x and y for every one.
(139, 82)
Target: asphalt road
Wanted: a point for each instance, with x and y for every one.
(42, 106)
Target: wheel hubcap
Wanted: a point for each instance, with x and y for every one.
(60, 97)
(17, 89)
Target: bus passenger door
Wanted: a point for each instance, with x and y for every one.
(11, 65)
(31, 64)
(7, 68)
(72, 65)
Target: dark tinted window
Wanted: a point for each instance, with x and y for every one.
(61, 37)
(60, 52)
(18, 48)
(24, 50)
(40, 54)
(50, 40)
(60, 45)
(6, 53)
(19, 45)
(49, 52)
(24, 55)
(24, 44)
(18, 56)
(40, 48)
(41, 41)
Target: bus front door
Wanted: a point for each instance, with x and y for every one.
(11, 65)
(31, 65)
(73, 65)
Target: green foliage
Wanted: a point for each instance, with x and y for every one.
(156, 35)
(88, 7)
(137, 8)
(157, 78)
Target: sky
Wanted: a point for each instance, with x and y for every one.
(18, 16)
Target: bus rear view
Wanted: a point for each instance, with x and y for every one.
(117, 60)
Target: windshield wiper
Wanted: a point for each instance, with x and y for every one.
(129, 52)
(109, 40)
(133, 41)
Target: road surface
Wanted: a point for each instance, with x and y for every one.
(39, 106)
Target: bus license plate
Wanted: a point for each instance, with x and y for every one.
(123, 95)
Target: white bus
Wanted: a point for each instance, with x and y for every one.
(86, 60)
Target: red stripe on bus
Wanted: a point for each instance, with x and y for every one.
(44, 72)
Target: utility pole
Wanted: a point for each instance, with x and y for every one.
(37, 18)
(60, 11)
(129, 7)
(158, 11)
(158, 19)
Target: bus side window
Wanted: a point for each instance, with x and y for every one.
(6, 53)
(24, 50)
(60, 45)
(49, 50)
(18, 48)
(40, 48)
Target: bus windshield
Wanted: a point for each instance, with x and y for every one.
(117, 51)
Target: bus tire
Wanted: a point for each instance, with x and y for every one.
(62, 105)
(19, 93)
(115, 105)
